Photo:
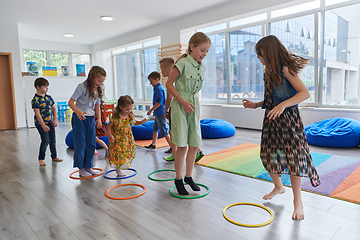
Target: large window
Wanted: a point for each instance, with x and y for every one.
(297, 35)
(37, 57)
(340, 82)
(80, 59)
(59, 60)
(324, 31)
(214, 87)
(132, 65)
(246, 71)
(62, 61)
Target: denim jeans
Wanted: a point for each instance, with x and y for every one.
(46, 138)
(84, 141)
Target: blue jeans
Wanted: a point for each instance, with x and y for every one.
(46, 138)
(84, 141)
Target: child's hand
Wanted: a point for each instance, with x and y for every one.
(98, 123)
(46, 128)
(144, 120)
(188, 107)
(166, 114)
(54, 123)
(80, 115)
(149, 112)
(248, 104)
(275, 112)
(111, 138)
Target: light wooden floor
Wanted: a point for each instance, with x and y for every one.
(44, 203)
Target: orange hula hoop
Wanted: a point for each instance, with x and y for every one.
(71, 174)
(125, 198)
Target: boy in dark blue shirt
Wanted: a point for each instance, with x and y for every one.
(158, 109)
(45, 119)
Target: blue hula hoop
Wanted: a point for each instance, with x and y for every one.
(135, 172)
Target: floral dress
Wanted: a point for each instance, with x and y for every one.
(123, 150)
(284, 148)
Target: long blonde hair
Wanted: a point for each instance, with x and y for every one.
(274, 55)
(122, 102)
(195, 40)
(95, 72)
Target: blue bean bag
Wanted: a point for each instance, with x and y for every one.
(334, 132)
(144, 131)
(216, 128)
(69, 140)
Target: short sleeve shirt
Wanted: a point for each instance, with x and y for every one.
(160, 97)
(83, 101)
(185, 127)
(191, 76)
(44, 104)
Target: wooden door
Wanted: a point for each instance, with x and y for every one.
(7, 94)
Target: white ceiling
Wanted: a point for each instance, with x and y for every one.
(49, 19)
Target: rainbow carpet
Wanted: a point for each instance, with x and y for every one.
(340, 176)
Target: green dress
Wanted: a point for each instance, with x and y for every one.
(185, 127)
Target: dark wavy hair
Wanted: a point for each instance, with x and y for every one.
(275, 55)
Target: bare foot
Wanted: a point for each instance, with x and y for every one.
(274, 192)
(298, 211)
(42, 163)
(57, 159)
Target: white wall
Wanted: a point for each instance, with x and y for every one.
(9, 42)
(60, 88)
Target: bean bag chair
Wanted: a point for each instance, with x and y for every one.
(216, 128)
(69, 140)
(334, 132)
(144, 131)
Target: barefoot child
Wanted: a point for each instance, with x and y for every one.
(122, 148)
(188, 76)
(284, 148)
(45, 119)
(87, 96)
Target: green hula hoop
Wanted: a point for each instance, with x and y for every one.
(249, 225)
(162, 170)
(200, 196)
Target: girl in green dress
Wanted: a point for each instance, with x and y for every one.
(188, 76)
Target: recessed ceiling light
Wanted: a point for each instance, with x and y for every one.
(106, 18)
(68, 35)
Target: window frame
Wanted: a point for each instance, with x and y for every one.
(128, 67)
(49, 63)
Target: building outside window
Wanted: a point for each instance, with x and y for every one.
(341, 44)
(246, 71)
(297, 35)
(214, 87)
(328, 30)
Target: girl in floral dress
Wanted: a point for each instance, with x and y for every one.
(122, 147)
